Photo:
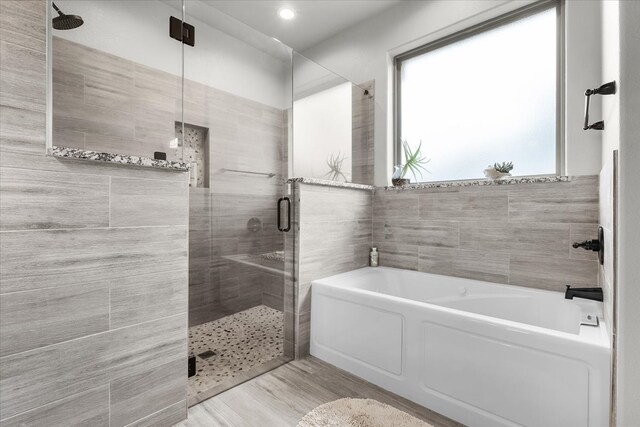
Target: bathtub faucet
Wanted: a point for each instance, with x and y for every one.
(586, 293)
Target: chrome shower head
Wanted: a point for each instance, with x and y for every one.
(66, 22)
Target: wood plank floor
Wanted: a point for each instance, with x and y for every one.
(281, 397)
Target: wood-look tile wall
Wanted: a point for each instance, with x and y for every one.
(106, 103)
(248, 136)
(94, 277)
(516, 234)
(334, 236)
(362, 133)
(513, 234)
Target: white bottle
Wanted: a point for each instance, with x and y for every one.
(373, 257)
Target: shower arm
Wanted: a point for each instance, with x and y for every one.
(56, 9)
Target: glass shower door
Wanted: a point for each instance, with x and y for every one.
(237, 98)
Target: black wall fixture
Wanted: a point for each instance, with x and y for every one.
(278, 220)
(596, 245)
(181, 31)
(64, 21)
(605, 89)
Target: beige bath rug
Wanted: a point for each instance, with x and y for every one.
(359, 413)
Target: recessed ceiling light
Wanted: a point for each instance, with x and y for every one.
(286, 13)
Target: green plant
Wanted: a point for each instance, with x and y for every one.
(414, 161)
(503, 167)
(335, 163)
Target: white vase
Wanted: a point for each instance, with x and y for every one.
(494, 175)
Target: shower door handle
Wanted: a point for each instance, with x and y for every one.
(279, 209)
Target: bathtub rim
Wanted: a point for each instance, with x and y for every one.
(588, 335)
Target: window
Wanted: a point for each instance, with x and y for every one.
(486, 95)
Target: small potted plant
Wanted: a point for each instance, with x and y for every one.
(498, 170)
(414, 162)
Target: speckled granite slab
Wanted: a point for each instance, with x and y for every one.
(76, 153)
(481, 182)
(328, 183)
(443, 184)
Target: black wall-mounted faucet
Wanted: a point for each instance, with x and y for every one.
(586, 293)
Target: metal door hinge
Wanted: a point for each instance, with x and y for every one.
(181, 31)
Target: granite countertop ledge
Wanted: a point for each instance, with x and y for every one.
(443, 184)
(120, 159)
(482, 182)
(329, 183)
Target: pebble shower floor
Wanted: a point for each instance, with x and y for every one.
(239, 342)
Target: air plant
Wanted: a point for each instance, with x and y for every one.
(335, 163)
(503, 167)
(414, 161)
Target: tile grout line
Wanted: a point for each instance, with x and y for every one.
(147, 416)
(109, 411)
(110, 199)
(93, 228)
(4, 420)
(109, 302)
(96, 333)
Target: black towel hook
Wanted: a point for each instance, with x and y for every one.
(605, 89)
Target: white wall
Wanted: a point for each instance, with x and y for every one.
(366, 50)
(610, 142)
(628, 378)
(621, 62)
(583, 70)
(309, 77)
(139, 31)
(321, 128)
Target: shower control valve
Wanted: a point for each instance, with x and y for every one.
(590, 245)
(595, 245)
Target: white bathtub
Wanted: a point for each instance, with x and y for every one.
(481, 353)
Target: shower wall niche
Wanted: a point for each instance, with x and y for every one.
(195, 152)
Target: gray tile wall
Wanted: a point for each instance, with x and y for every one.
(334, 236)
(513, 234)
(516, 234)
(362, 133)
(105, 103)
(93, 285)
(138, 107)
(248, 136)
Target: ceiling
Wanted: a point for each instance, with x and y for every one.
(315, 21)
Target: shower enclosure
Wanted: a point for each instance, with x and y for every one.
(234, 133)
(255, 114)
(246, 114)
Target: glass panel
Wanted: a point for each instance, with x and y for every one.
(485, 99)
(237, 102)
(117, 78)
(321, 122)
(332, 125)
